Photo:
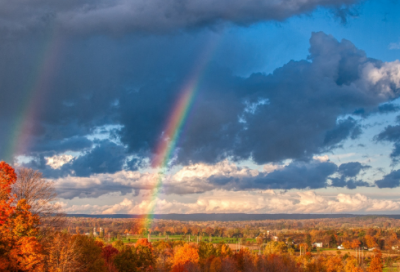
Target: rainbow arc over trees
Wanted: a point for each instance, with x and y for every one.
(174, 125)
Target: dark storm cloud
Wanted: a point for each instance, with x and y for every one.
(388, 108)
(155, 16)
(299, 110)
(391, 180)
(106, 157)
(343, 13)
(350, 184)
(302, 175)
(75, 143)
(353, 184)
(391, 134)
(299, 175)
(385, 108)
(347, 173)
(301, 118)
(88, 80)
(351, 169)
(343, 130)
(396, 152)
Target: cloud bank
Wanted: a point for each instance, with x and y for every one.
(247, 202)
(201, 178)
(91, 84)
(150, 16)
(302, 109)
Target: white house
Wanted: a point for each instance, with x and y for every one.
(318, 244)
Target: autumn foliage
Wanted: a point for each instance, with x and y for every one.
(184, 255)
(24, 247)
(7, 179)
(144, 242)
(19, 248)
(376, 262)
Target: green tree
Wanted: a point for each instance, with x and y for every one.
(333, 241)
(308, 242)
(206, 250)
(118, 245)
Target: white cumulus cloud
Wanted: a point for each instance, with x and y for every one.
(219, 201)
(57, 161)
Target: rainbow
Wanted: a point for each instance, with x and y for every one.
(41, 79)
(173, 128)
(37, 84)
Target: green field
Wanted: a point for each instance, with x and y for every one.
(134, 238)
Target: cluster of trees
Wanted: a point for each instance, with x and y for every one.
(20, 249)
(240, 229)
(82, 253)
(369, 232)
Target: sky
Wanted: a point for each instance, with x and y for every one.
(197, 106)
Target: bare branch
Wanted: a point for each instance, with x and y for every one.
(40, 194)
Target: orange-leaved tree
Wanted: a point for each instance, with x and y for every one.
(63, 254)
(370, 241)
(334, 264)
(216, 265)
(19, 248)
(355, 244)
(352, 266)
(184, 255)
(7, 179)
(376, 264)
(143, 242)
(346, 244)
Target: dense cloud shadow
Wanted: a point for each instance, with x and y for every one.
(302, 109)
(391, 134)
(347, 173)
(152, 16)
(302, 116)
(391, 180)
(351, 169)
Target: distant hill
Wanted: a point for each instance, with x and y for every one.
(227, 216)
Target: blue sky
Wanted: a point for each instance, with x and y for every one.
(296, 109)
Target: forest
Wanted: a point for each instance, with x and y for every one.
(36, 236)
